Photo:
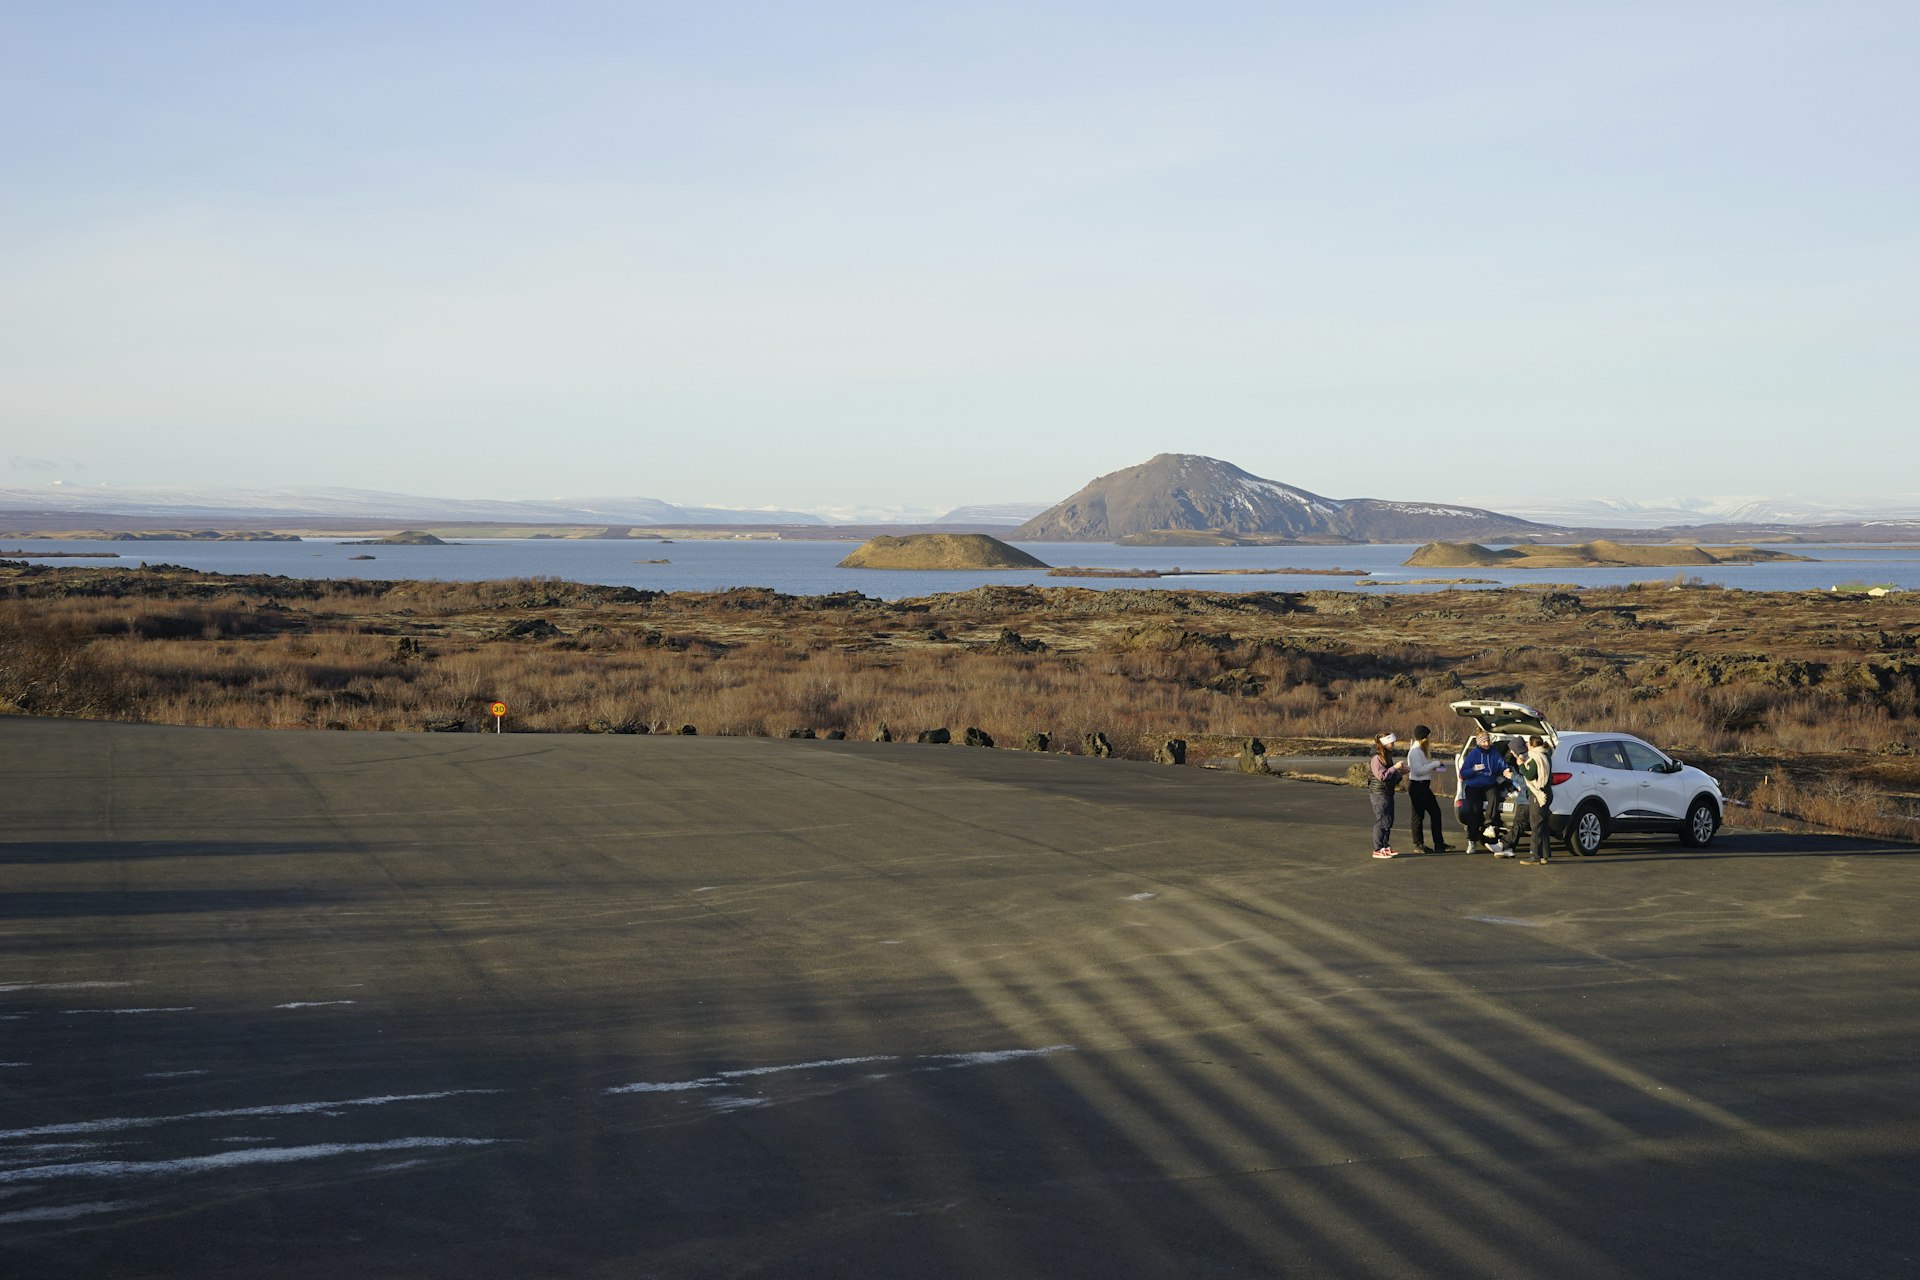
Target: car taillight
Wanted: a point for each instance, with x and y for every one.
(1557, 778)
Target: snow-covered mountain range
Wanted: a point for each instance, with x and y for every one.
(1661, 513)
(178, 504)
(371, 504)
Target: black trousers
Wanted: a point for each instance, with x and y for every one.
(1534, 819)
(1474, 814)
(1421, 801)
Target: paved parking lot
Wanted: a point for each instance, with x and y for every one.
(358, 1004)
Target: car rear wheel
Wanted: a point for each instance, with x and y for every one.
(1702, 821)
(1587, 832)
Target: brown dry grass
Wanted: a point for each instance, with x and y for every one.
(1720, 677)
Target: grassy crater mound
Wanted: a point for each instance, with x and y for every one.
(1584, 555)
(939, 551)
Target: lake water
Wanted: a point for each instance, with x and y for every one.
(808, 568)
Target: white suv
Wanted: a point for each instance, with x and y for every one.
(1602, 782)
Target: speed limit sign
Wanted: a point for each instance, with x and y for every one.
(499, 710)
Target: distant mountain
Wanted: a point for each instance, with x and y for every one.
(1663, 513)
(1186, 491)
(371, 504)
(1007, 513)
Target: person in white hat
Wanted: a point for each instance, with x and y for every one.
(1383, 777)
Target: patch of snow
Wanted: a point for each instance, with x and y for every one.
(1418, 509)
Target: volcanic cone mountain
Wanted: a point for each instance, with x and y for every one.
(1184, 491)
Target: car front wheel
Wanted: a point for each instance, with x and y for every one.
(1587, 832)
(1700, 825)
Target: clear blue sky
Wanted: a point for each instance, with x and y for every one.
(933, 253)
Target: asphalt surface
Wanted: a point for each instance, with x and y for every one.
(306, 1004)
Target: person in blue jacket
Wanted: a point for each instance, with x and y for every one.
(1481, 770)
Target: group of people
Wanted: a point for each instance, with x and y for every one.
(1487, 771)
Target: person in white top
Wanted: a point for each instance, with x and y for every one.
(1422, 768)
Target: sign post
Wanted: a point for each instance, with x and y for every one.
(499, 710)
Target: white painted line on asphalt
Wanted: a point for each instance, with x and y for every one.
(226, 1159)
(312, 1004)
(719, 1079)
(1518, 923)
(58, 986)
(802, 1066)
(117, 1123)
(926, 1062)
(664, 1086)
(60, 1213)
(991, 1057)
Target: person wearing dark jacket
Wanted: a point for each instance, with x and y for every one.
(1481, 769)
(1508, 782)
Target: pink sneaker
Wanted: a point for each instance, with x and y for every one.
(1385, 853)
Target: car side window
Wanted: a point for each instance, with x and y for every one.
(1608, 755)
(1583, 754)
(1644, 759)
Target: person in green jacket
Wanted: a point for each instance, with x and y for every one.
(1536, 772)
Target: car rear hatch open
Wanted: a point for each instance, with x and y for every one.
(1506, 719)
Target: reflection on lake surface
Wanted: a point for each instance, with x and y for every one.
(808, 568)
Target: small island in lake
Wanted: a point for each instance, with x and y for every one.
(1584, 555)
(1223, 538)
(200, 535)
(405, 538)
(939, 551)
(1084, 571)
